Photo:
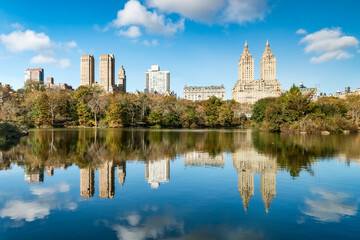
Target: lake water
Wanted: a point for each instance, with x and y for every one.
(179, 184)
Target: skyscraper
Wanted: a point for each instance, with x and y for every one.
(87, 70)
(121, 81)
(268, 64)
(107, 72)
(106, 180)
(35, 74)
(248, 90)
(87, 187)
(157, 81)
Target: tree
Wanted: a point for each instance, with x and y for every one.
(156, 117)
(97, 104)
(258, 111)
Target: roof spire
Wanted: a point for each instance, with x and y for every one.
(246, 45)
(267, 43)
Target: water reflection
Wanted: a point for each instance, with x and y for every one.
(107, 153)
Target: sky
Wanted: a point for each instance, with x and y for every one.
(199, 41)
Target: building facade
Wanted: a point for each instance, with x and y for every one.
(248, 90)
(121, 80)
(311, 92)
(204, 93)
(107, 72)
(157, 171)
(157, 81)
(87, 70)
(35, 74)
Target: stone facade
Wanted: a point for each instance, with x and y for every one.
(248, 90)
(203, 159)
(157, 81)
(107, 180)
(204, 93)
(107, 72)
(87, 180)
(121, 80)
(87, 70)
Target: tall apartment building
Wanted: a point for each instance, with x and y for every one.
(107, 180)
(107, 72)
(248, 90)
(204, 93)
(87, 181)
(157, 81)
(87, 70)
(157, 171)
(121, 80)
(35, 74)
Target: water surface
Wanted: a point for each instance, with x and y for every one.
(179, 184)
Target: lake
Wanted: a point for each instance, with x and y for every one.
(179, 184)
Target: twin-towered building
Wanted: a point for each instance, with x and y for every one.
(248, 90)
(106, 73)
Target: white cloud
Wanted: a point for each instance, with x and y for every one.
(20, 41)
(210, 11)
(17, 26)
(28, 40)
(154, 42)
(202, 10)
(135, 14)
(301, 31)
(330, 207)
(240, 11)
(40, 207)
(330, 44)
(41, 59)
(131, 32)
(71, 44)
(29, 211)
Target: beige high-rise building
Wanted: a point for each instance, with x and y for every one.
(121, 80)
(121, 172)
(87, 181)
(107, 72)
(248, 90)
(87, 70)
(248, 162)
(107, 180)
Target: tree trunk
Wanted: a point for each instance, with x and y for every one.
(95, 120)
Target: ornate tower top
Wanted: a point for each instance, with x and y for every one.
(267, 52)
(246, 52)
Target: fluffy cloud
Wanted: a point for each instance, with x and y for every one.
(224, 11)
(28, 40)
(20, 41)
(38, 208)
(330, 207)
(240, 11)
(41, 59)
(131, 32)
(202, 10)
(135, 14)
(330, 44)
(301, 31)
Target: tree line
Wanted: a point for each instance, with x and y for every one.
(295, 112)
(88, 106)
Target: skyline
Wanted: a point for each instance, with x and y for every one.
(197, 44)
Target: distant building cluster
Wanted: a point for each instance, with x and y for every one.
(347, 92)
(248, 90)
(106, 73)
(37, 75)
(204, 93)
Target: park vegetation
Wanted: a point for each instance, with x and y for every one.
(38, 107)
(296, 113)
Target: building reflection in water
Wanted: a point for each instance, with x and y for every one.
(121, 172)
(157, 171)
(248, 161)
(107, 180)
(203, 159)
(87, 182)
(34, 174)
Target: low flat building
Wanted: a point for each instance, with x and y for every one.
(204, 93)
(312, 92)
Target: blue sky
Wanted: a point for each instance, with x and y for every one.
(199, 42)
